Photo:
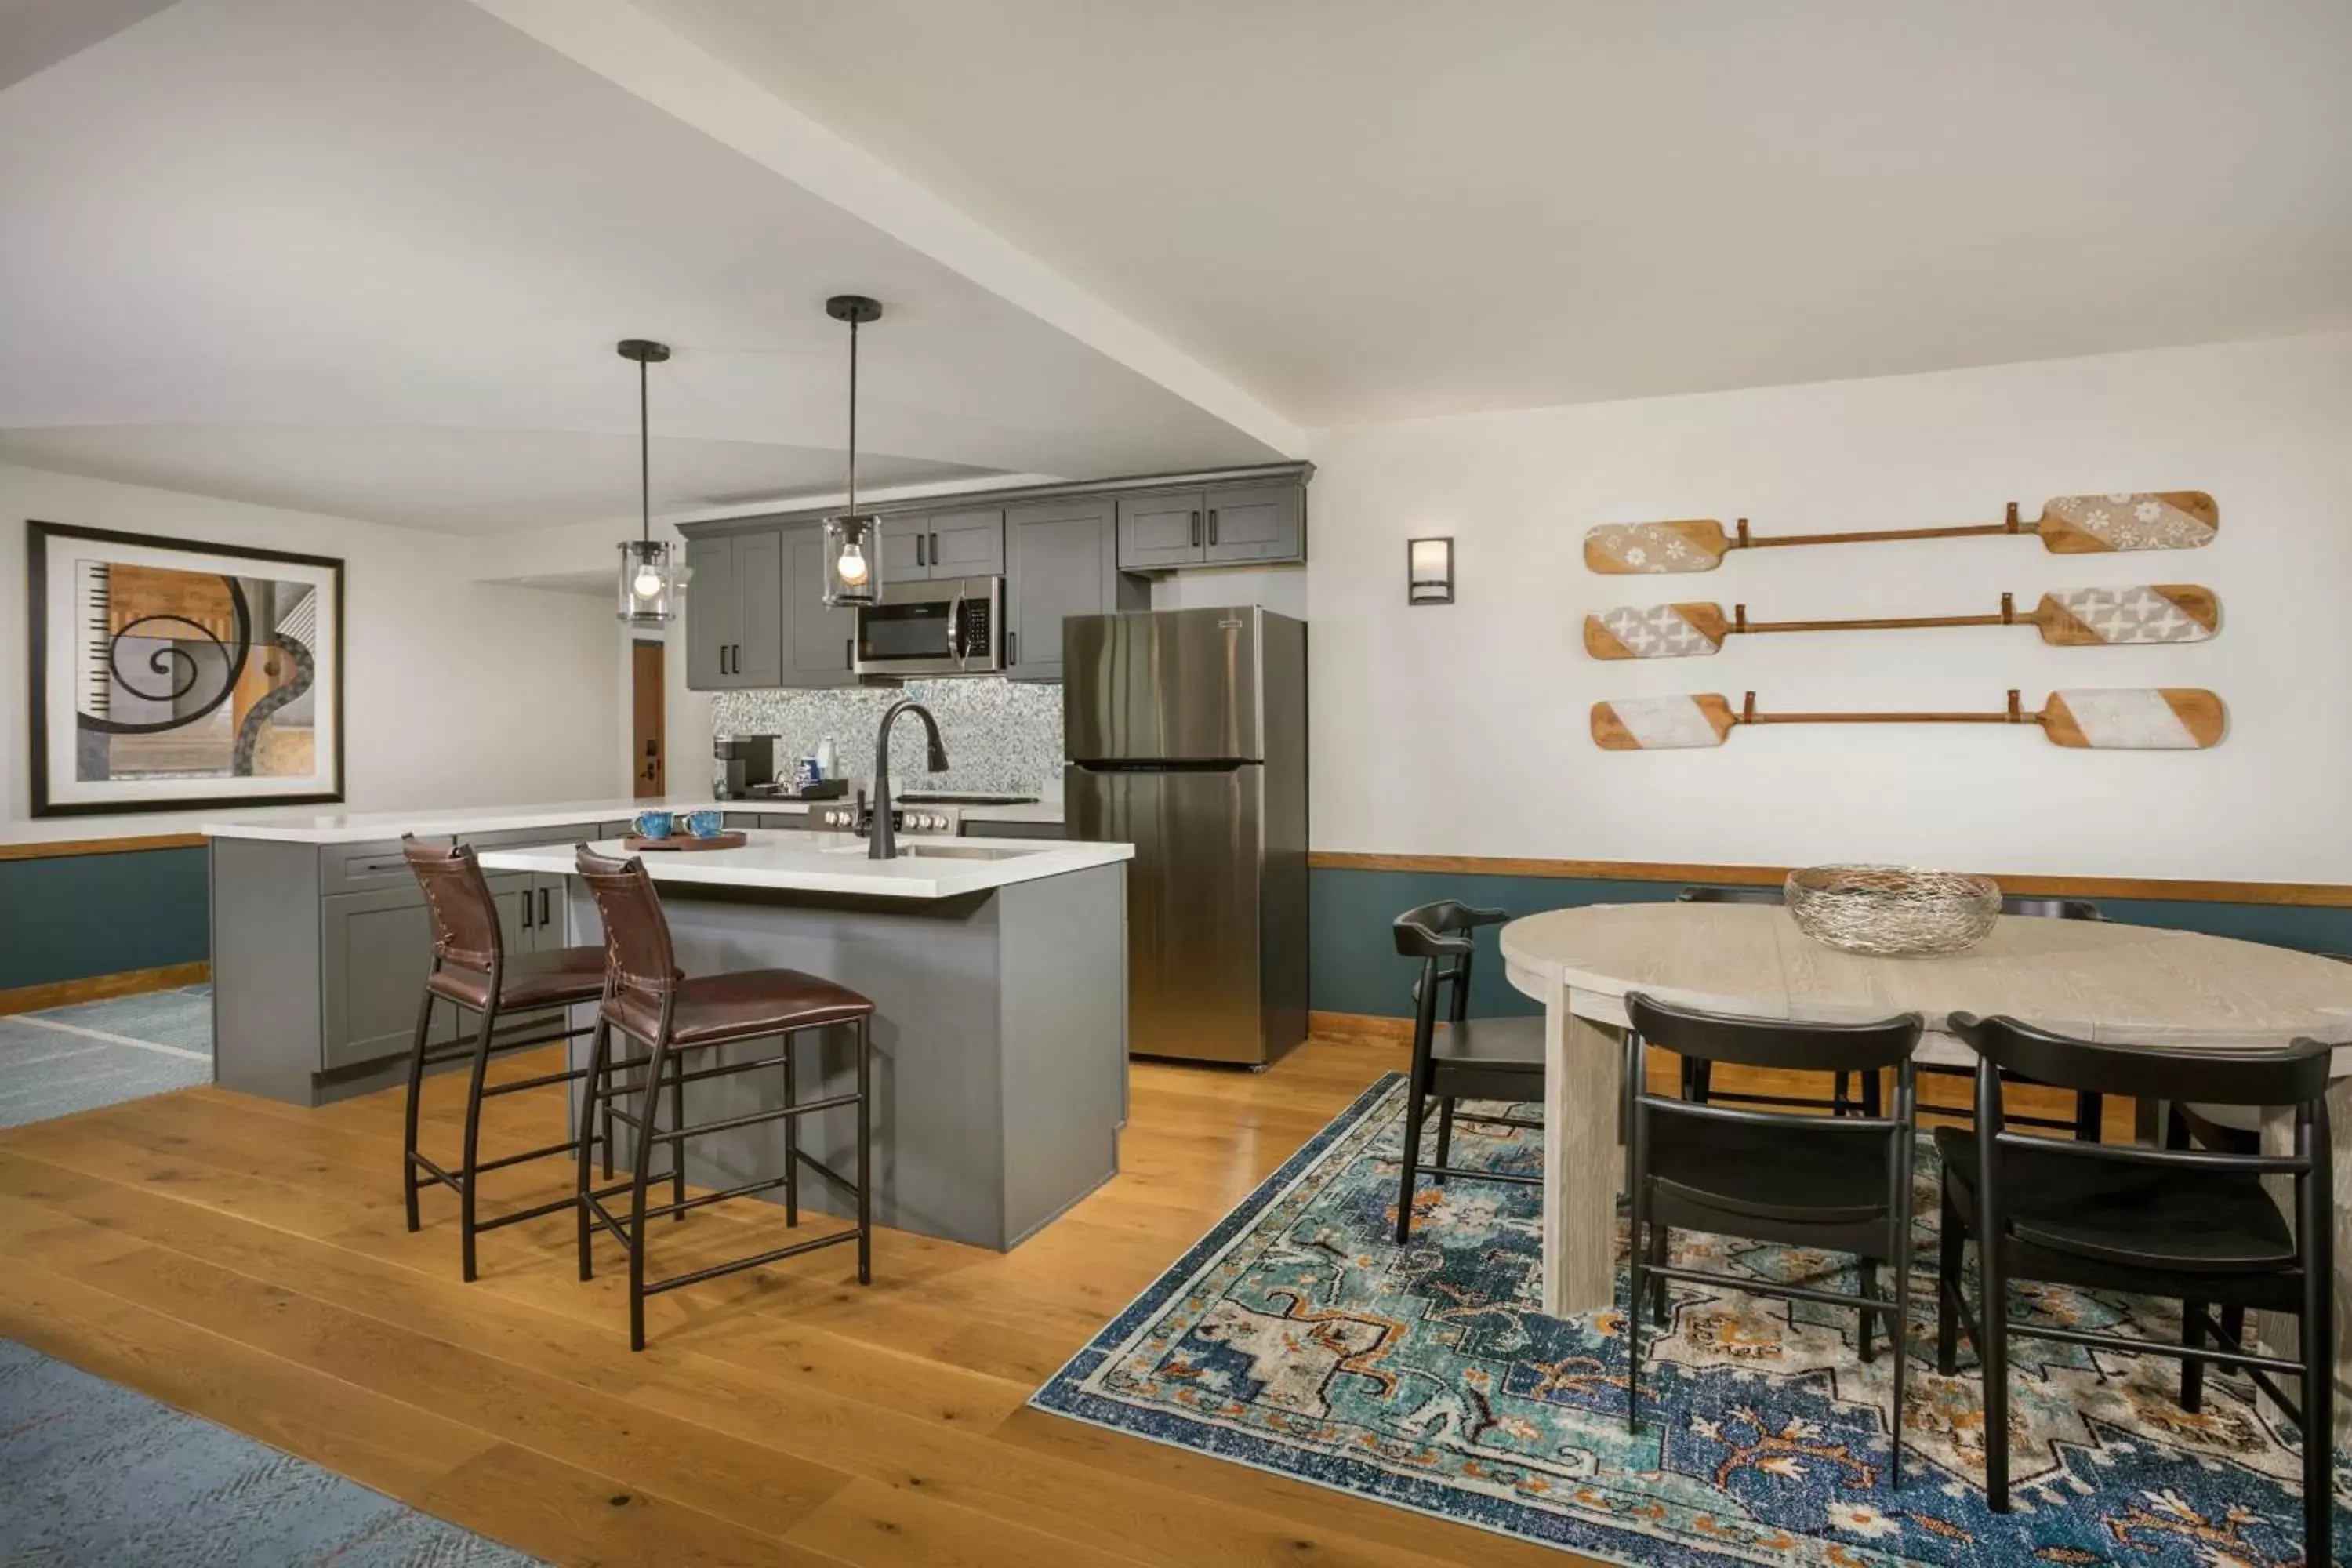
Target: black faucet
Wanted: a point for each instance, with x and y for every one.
(882, 844)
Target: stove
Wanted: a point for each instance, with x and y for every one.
(955, 797)
(923, 814)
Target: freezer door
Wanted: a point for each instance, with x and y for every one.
(1161, 684)
(1192, 971)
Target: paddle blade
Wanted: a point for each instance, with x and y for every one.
(2157, 520)
(2167, 719)
(2166, 612)
(1622, 549)
(1661, 723)
(1658, 631)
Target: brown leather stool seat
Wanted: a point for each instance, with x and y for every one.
(473, 971)
(553, 979)
(646, 999)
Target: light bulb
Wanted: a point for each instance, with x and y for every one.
(647, 584)
(851, 567)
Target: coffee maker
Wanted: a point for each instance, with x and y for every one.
(739, 761)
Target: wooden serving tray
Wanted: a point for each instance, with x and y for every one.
(733, 840)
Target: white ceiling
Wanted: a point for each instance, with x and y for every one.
(1365, 208)
(370, 259)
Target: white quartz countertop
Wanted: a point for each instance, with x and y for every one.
(786, 862)
(353, 827)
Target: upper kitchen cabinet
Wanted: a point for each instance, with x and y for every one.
(818, 642)
(1216, 527)
(948, 544)
(1063, 561)
(735, 612)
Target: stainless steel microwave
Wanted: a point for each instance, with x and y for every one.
(946, 626)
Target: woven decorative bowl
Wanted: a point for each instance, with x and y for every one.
(1892, 909)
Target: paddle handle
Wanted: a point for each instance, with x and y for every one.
(2013, 714)
(2006, 618)
(1743, 539)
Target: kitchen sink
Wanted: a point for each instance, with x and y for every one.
(936, 850)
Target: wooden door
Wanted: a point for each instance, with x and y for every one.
(648, 768)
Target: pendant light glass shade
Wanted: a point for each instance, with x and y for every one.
(651, 578)
(650, 582)
(853, 559)
(853, 541)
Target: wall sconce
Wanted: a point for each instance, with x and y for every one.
(1429, 572)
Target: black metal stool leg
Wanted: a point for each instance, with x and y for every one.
(415, 1092)
(677, 1151)
(865, 1151)
(469, 1191)
(793, 1132)
(647, 1104)
(596, 1099)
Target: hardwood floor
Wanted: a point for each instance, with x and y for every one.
(247, 1261)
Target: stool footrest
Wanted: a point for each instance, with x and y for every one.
(821, 1169)
(570, 1146)
(756, 1261)
(765, 1185)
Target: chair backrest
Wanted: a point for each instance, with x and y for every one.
(1442, 935)
(2042, 907)
(1730, 896)
(1774, 1042)
(464, 917)
(2296, 1074)
(637, 952)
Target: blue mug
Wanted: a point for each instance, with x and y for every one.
(653, 824)
(705, 823)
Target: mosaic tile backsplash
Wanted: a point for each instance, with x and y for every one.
(1003, 737)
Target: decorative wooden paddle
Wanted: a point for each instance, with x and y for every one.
(2163, 719)
(2083, 618)
(2069, 525)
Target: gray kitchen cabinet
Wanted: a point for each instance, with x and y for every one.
(1158, 532)
(1262, 523)
(735, 612)
(1063, 561)
(818, 635)
(375, 950)
(948, 544)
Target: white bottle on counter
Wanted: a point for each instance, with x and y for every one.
(827, 760)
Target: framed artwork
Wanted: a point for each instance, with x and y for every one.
(170, 675)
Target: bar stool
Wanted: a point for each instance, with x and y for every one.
(646, 999)
(472, 971)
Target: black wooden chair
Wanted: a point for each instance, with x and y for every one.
(2195, 1226)
(1699, 1077)
(1482, 1058)
(1840, 1183)
(2090, 1110)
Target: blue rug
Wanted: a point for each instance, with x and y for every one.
(68, 1059)
(1296, 1337)
(93, 1475)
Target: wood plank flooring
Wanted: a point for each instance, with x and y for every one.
(247, 1261)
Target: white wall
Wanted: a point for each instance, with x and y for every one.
(1463, 729)
(454, 693)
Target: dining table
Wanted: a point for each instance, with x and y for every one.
(2099, 980)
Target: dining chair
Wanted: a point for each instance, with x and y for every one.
(1481, 1059)
(2194, 1226)
(1699, 1077)
(1836, 1184)
(2090, 1110)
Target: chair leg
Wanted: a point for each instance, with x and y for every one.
(415, 1092)
(1445, 1138)
(2314, 1228)
(594, 1101)
(1992, 1313)
(1658, 1234)
(1636, 1280)
(1841, 1097)
(2090, 1110)
(1410, 1164)
(649, 1101)
(792, 1131)
(1951, 1251)
(677, 1151)
(1898, 1332)
(1866, 1272)
(865, 1151)
(467, 1194)
(2192, 1371)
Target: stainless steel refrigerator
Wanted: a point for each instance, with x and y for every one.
(1184, 733)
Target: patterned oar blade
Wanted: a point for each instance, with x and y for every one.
(2163, 612)
(1656, 631)
(1623, 549)
(2154, 520)
(2165, 719)
(1660, 723)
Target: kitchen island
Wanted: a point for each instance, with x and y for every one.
(998, 975)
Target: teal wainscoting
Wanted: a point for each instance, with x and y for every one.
(1356, 969)
(73, 916)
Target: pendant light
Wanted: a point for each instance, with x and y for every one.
(650, 579)
(853, 541)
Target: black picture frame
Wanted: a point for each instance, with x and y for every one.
(37, 535)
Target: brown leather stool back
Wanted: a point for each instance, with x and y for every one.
(638, 958)
(464, 917)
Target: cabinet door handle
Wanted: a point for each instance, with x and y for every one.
(919, 550)
(526, 909)
(849, 653)
(1196, 529)
(543, 918)
(1012, 650)
(935, 550)
(1212, 525)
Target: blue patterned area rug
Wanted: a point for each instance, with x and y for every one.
(93, 1475)
(92, 1054)
(1299, 1337)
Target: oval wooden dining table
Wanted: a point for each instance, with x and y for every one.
(2125, 983)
